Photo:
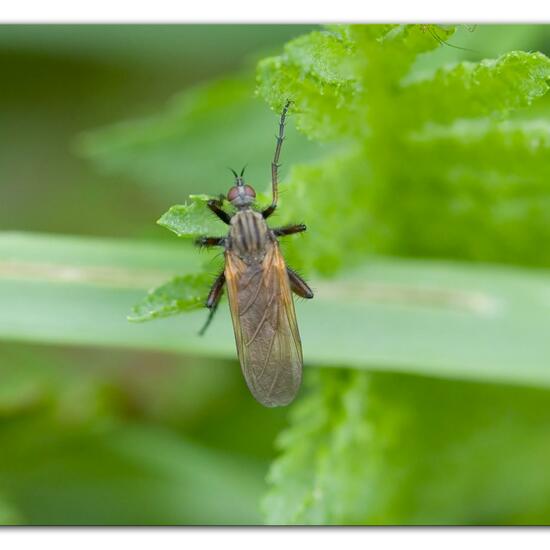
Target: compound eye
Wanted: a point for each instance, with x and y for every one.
(233, 193)
(249, 191)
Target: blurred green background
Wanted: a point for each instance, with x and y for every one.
(103, 422)
(196, 446)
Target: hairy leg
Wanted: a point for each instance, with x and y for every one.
(210, 241)
(298, 285)
(213, 300)
(215, 206)
(289, 230)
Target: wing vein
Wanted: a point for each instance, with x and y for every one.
(254, 297)
(262, 320)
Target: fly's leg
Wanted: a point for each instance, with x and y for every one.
(298, 285)
(206, 242)
(213, 300)
(289, 230)
(215, 206)
(216, 291)
(211, 314)
(275, 163)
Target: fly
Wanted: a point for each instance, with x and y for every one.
(260, 286)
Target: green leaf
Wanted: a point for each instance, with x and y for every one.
(489, 181)
(314, 74)
(386, 449)
(328, 75)
(320, 55)
(192, 220)
(401, 44)
(515, 148)
(474, 42)
(180, 295)
(471, 90)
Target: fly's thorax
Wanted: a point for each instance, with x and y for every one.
(249, 235)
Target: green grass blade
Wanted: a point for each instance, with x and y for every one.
(452, 320)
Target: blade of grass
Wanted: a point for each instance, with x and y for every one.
(445, 319)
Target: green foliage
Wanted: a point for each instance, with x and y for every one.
(387, 449)
(437, 173)
(418, 158)
(181, 294)
(413, 316)
(189, 220)
(188, 147)
(470, 90)
(353, 84)
(8, 515)
(103, 438)
(409, 190)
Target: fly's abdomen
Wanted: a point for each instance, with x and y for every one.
(248, 235)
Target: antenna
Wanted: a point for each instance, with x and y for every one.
(238, 179)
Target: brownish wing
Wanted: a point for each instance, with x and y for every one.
(264, 321)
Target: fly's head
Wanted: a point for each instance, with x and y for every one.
(241, 196)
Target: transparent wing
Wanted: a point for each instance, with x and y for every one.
(266, 331)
